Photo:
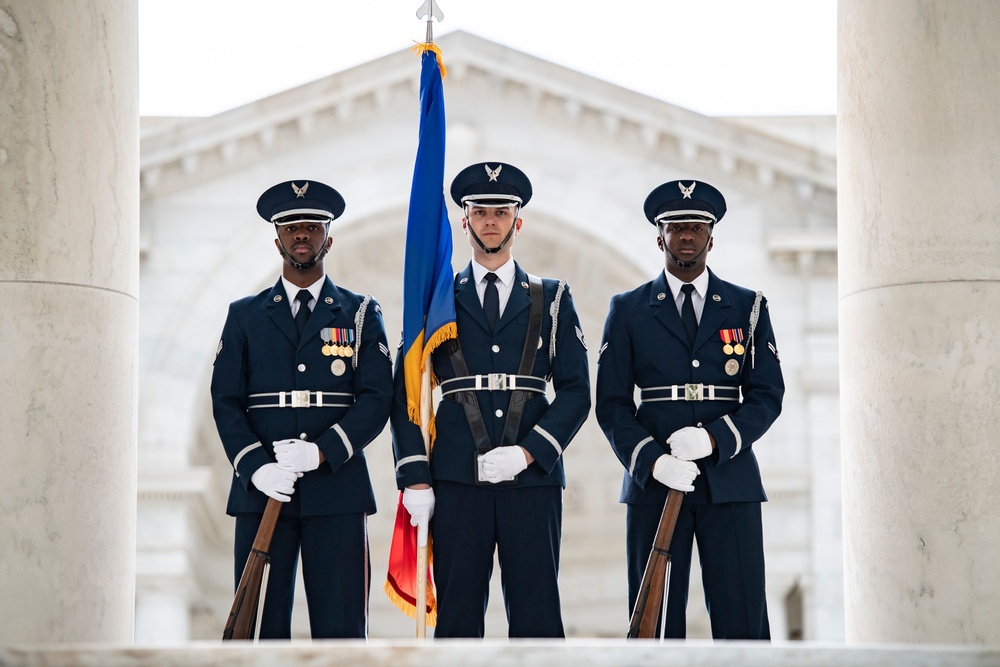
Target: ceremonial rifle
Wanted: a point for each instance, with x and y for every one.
(656, 577)
(248, 604)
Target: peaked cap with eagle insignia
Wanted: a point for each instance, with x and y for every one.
(294, 201)
(684, 201)
(491, 184)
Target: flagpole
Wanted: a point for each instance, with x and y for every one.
(431, 11)
(425, 418)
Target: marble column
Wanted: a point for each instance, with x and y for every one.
(69, 297)
(919, 261)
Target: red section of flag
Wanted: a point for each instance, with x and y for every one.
(401, 580)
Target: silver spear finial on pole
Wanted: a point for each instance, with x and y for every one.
(431, 10)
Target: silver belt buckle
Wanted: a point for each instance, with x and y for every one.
(300, 398)
(497, 381)
(694, 392)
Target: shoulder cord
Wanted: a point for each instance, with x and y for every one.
(554, 314)
(359, 325)
(754, 316)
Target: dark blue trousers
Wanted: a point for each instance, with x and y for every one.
(335, 570)
(731, 553)
(524, 526)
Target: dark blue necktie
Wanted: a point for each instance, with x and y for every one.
(301, 317)
(687, 313)
(491, 301)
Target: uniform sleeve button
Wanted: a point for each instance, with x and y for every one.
(499, 413)
(302, 436)
(695, 363)
(698, 424)
(302, 367)
(496, 348)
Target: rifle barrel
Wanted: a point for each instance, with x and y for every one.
(642, 624)
(242, 615)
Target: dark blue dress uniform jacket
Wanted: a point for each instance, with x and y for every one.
(645, 345)
(545, 430)
(260, 352)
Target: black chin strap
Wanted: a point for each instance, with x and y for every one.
(316, 258)
(490, 251)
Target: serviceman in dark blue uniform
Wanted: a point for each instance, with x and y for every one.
(302, 383)
(495, 478)
(702, 353)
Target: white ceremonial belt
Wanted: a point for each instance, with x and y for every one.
(689, 392)
(300, 398)
(493, 382)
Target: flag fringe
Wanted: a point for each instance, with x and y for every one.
(447, 332)
(444, 333)
(413, 412)
(420, 48)
(407, 607)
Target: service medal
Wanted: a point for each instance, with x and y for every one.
(732, 339)
(338, 367)
(732, 367)
(327, 336)
(341, 340)
(727, 338)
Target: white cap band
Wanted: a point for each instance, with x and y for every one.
(685, 216)
(294, 215)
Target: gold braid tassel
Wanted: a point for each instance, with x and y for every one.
(423, 47)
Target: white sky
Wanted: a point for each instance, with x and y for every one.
(717, 57)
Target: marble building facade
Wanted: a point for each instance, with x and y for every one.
(593, 152)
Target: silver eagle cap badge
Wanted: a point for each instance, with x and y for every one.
(493, 173)
(687, 191)
(300, 192)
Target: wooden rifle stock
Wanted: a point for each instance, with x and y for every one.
(648, 603)
(243, 616)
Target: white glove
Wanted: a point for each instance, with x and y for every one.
(690, 443)
(275, 482)
(420, 504)
(503, 463)
(296, 455)
(675, 473)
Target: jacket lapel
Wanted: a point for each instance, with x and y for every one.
(467, 298)
(324, 314)
(716, 309)
(665, 308)
(280, 311)
(519, 298)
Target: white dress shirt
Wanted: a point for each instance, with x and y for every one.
(291, 291)
(505, 281)
(697, 296)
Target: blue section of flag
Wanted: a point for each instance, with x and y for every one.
(428, 287)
